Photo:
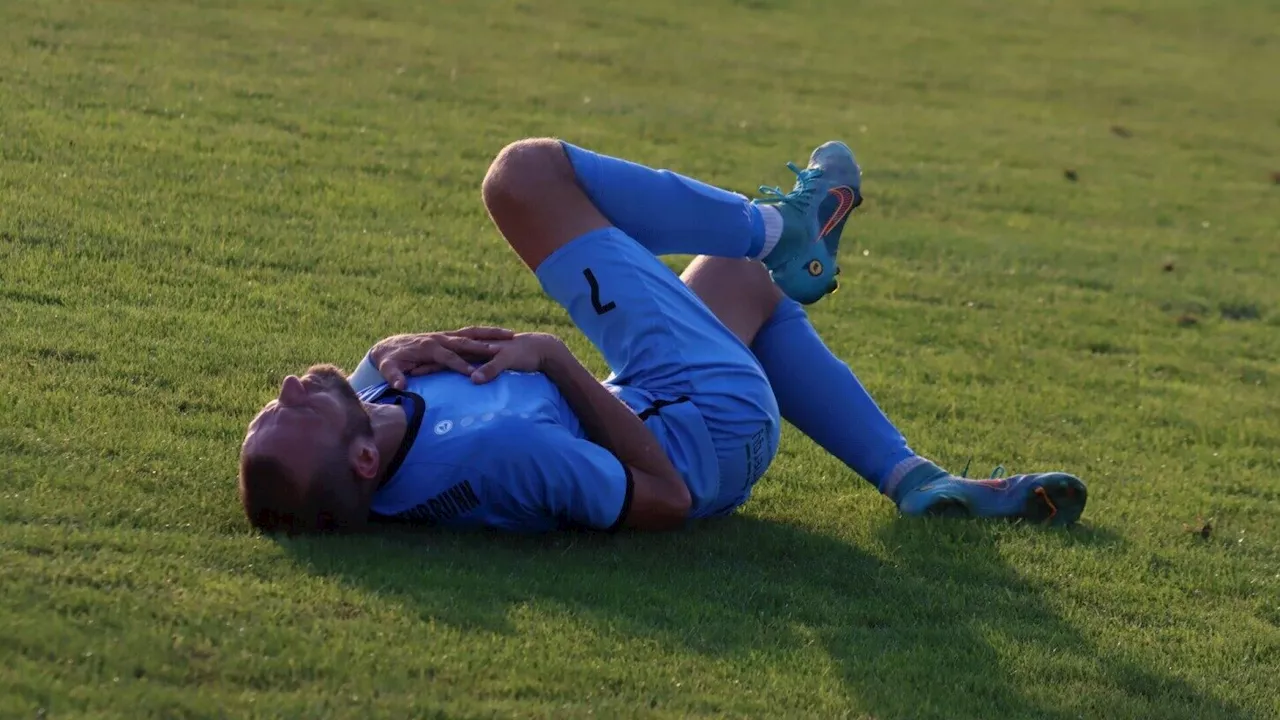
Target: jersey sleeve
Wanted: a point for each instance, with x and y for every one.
(546, 472)
(365, 376)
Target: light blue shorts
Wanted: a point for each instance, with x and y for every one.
(693, 382)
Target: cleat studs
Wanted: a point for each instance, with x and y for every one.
(1053, 509)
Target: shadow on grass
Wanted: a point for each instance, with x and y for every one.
(918, 634)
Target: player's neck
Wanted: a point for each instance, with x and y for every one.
(389, 426)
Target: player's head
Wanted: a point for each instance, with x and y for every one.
(309, 462)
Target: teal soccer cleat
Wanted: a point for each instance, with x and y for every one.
(803, 263)
(1053, 498)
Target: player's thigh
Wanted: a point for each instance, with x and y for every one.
(659, 338)
(739, 292)
(652, 330)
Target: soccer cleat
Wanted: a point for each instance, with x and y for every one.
(803, 263)
(1053, 498)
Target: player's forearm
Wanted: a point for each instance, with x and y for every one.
(607, 420)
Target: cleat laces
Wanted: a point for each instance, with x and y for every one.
(801, 194)
(995, 474)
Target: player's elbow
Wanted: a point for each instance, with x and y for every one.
(658, 502)
(676, 503)
(681, 500)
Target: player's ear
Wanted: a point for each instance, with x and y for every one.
(365, 458)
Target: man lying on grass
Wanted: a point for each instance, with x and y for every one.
(485, 427)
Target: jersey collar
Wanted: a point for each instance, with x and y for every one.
(414, 409)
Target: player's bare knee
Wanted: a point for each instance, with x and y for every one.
(739, 292)
(532, 194)
(522, 176)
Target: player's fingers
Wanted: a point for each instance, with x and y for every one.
(450, 359)
(425, 368)
(393, 374)
(490, 370)
(398, 363)
(478, 332)
(470, 346)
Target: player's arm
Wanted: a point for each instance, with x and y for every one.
(659, 496)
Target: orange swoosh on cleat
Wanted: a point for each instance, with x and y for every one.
(845, 196)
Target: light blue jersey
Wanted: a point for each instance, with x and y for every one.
(508, 454)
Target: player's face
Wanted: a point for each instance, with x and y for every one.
(313, 418)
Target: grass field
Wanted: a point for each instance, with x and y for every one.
(199, 197)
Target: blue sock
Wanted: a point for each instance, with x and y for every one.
(821, 396)
(667, 213)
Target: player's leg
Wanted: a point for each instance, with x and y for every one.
(816, 391)
(673, 361)
(614, 289)
(738, 292)
(796, 235)
(663, 338)
(533, 197)
(820, 395)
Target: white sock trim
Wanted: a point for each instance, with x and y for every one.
(772, 229)
(900, 471)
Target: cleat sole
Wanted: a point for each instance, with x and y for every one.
(1058, 501)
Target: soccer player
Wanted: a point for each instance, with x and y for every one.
(485, 427)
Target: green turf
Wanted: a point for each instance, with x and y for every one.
(197, 198)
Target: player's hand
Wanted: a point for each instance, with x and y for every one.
(421, 353)
(525, 352)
